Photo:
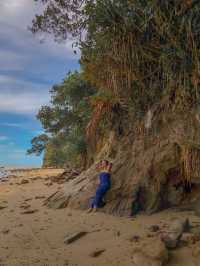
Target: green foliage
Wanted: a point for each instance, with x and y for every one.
(38, 144)
(151, 43)
(65, 120)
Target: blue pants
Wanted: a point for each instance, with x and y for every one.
(100, 193)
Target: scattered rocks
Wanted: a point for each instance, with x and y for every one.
(73, 237)
(97, 253)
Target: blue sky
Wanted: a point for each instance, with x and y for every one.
(28, 69)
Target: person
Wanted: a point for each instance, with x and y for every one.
(105, 184)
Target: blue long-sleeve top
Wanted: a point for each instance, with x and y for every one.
(105, 179)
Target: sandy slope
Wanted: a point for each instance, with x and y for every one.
(38, 238)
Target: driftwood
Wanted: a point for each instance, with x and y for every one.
(73, 237)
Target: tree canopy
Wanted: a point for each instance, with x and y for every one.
(64, 120)
(137, 49)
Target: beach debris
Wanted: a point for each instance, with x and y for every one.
(176, 230)
(29, 211)
(97, 253)
(74, 237)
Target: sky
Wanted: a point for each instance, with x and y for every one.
(28, 69)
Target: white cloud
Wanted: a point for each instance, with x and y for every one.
(3, 138)
(11, 125)
(25, 102)
(18, 11)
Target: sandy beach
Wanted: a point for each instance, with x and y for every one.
(32, 234)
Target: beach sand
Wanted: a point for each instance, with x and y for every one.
(37, 237)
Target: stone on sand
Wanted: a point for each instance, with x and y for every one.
(29, 211)
(73, 237)
(176, 230)
(150, 254)
(24, 181)
(97, 253)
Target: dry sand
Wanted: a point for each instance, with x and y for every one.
(38, 238)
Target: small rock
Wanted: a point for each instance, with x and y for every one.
(150, 254)
(29, 211)
(20, 225)
(118, 233)
(23, 206)
(49, 184)
(196, 251)
(194, 239)
(2, 207)
(24, 181)
(74, 237)
(176, 230)
(135, 238)
(97, 253)
(154, 228)
(6, 231)
(28, 199)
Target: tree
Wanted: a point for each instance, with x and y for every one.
(65, 120)
(38, 144)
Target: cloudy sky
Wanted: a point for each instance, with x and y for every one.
(28, 69)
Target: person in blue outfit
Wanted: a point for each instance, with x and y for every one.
(103, 187)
